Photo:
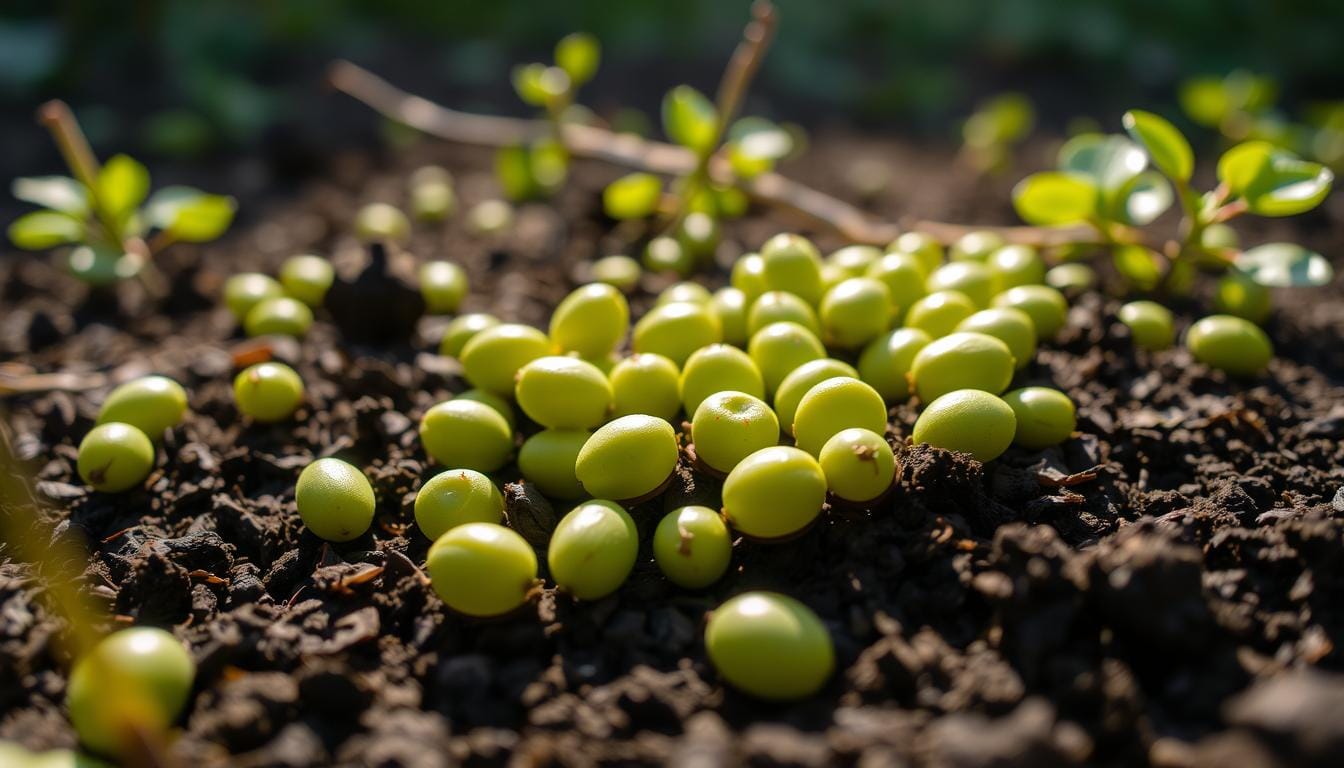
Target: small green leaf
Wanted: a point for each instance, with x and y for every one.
(538, 84)
(632, 197)
(761, 138)
(1273, 181)
(123, 184)
(1141, 200)
(1239, 166)
(1004, 119)
(1141, 266)
(689, 118)
(578, 54)
(1166, 145)
(526, 173)
(190, 215)
(1204, 100)
(1285, 265)
(1110, 160)
(1054, 198)
(45, 229)
(59, 193)
(731, 202)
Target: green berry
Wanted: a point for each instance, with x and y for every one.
(972, 279)
(1071, 277)
(791, 263)
(627, 458)
(482, 569)
(462, 329)
(280, 316)
(648, 384)
(779, 348)
(489, 217)
(592, 550)
(858, 463)
(676, 330)
(591, 320)
(781, 307)
(716, 368)
(563, 393)
(335, 500)
(854, 260)
(432, 197)
(468, 434)
(492, 358)
(620, 272)
(114, 457)
(666, 254)
(547, 461)
(699, 235)
(1218, 235)
(969, 421)
(268, 392)
(904, 276)
(833, 405)
(1011, 326)
(775, 492)
(136, 679)
(855, 312)
(499, 404)
(800, 380)
(886, 361)
(748, 276)
(976, 246)
(307, 277)
(1150, 324)
(457, 497)
(1045, 416)
(938, 314)
(923, 247)
(686, 290)
(151, 404)
(728, 426)
(1047, 306)
(1238, 295)
(243, 292)
(770, 646)
(729, 305)
(1231, 344)
(381, 221)
(962, 360)
(443, 285)
(692, 547)
(1015, 265)
(831, 276)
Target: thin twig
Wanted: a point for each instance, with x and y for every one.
(56, 116)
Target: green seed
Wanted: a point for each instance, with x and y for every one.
(694, 293)
(699, 236)
(728, 426)
(729, 305)
(1150, 324)
(1045, 416)
(592, 550)
(432, 197)
(676, 330)
(855, 312)
(854, 260)
(103, 265)
(591, 320)
(1238, 295)
(938, 314)
(962, 360)
(774, 492)
(280, 316)
(972, 279)
(779, 348)
(800, 380)
(307, 278)
(748, 276)
(924, 247)
(492, 358)
(457, 497)
(627, 458)
(770, 646)
(1011, 326)
(620, 272)
(666, 254)
(335, 500)
(547, 460)
(781, 307)
(885, 363)
(1218, 235)
(489, 217)
(114, 457)
(1231, 344)
(1047, 307)
(499, 404)
(969, 421)
(1071, 277)
(976, 246)
(716, 368)
(858, 463)
(648, 384)
(468, 434)
(791, 263)
(243, 292)
(482, 569)
(833, 405)
(133, 680)
(563, 393)
(268, 392)
(443, 285)
(1015, 265)
(381, 221)
(831, 276)
(692, 547)
(462, 329)
(904, 276)
(151, 404)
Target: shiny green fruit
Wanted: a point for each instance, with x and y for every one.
(774, 492)
(779, 348)
(886, 361)
(115, 457)
(492, 358)
(244, 291)
(335, 500)
(859, 464)
(268, 392)
(779, 307)
(1231, 344)
(648, 384)
(467, 434)
(1047, 307)
(1150, 324)
(800, 380)
(457, 497)
(971, 279)
(562, 392)
(1011, 326)
(938, 314)
(307, 278)
(834, 405)
(1045, 416)
(462, 329)
(969, 421)
(547, 460)
(792, 263)
(855, 312)
(692, 547)
(136, 679)
(627, 458)
(676, 330)
(280, 316)
(593, 549)
(962, 360)
(728, 426)
(443, 285)
(482, 569)
(717, 368)
(770, 646)
(592, 320)
(152, 404)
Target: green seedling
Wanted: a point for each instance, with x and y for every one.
(1011, 326)
(467, 434)
(492, 358)
(859, 465)
(962, 360)
(1230, 344)
(620, 272)
(1045, 416)
(781, 307)
(268, 392)
(627, 458)
(457, 497)
(886, 361)
(802, 379)
(280, 316)
(779, 348)
(1046, 306)
(755, 636)
(335, 500)
(563, 393)
(939, 313)
(592, 320)
(482, 569)
(677, 330)
(115, 457)
(973, 279)
(774, 493)
(443, 285)
(592, 550)
(462, 329)
(729, 305)
(646, 384)
(307, 278)
(728, 426)
(548, 458)
(969, 421)
(692, 547)
(1150, 324)
(243, 292)
(834, 405)
(716, 368)
(152, 404)
(855, 311)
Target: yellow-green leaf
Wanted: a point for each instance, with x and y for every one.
(1142, 266)
(45, 229)
(632, 197)
(1141, 200)
(189, 214)
(59, 193)
(689, 118)
(1165, 144)
(123, 184)
(1055, 198)
(1273, 181)
(1285, 265)
(578, 54)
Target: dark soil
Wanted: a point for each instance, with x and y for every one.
(1166, 588)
